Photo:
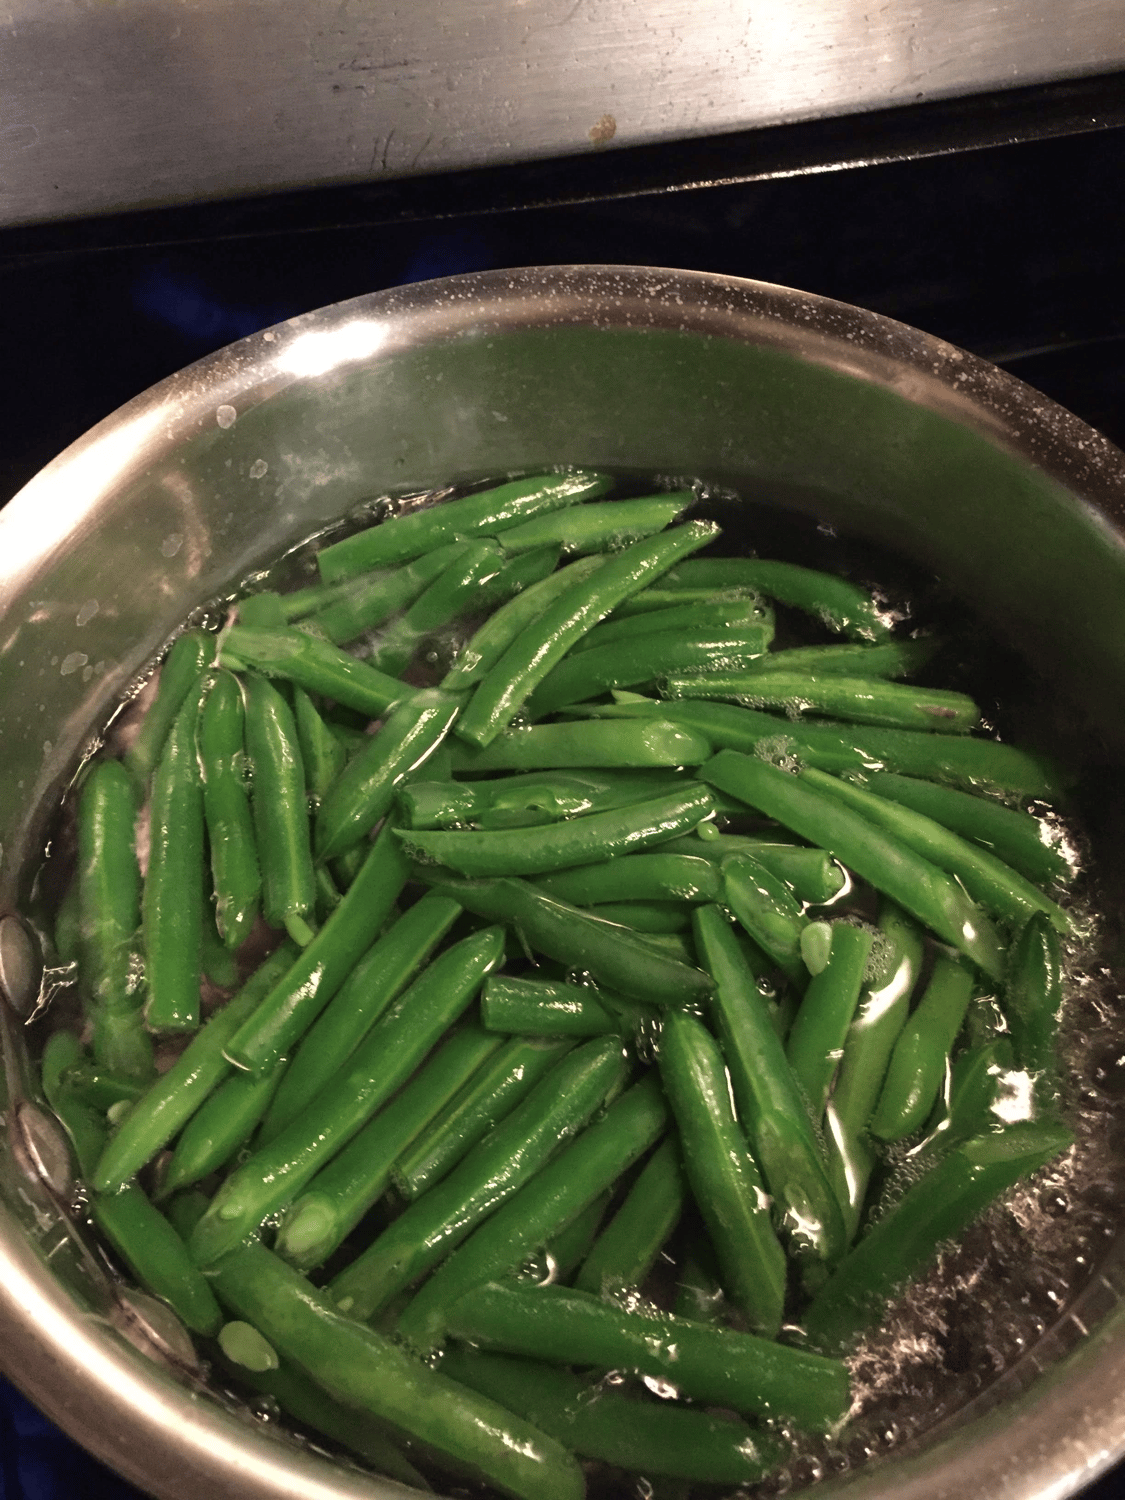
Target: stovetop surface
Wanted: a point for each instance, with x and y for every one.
(1014, 252)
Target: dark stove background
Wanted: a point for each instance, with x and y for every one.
(1014, 252)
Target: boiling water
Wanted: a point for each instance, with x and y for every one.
(962, 1331)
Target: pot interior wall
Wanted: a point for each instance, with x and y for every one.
(282, 459)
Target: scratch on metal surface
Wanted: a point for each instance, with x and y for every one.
(421, 149)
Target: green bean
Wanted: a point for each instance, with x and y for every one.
(394, 1047)
(489, 1095)
(281, 817)
(528, 800)
(218, 963)
(314, 664)
(108, 894)
(975, 1083)
(97, 1089)
(918, 1062)
(84, 1125)
(346, 866)
(156, 1256)
(606, 1424)
(294, 1003)
(175, 1096)
(454, 591)
(538, 1007)
(612, 955)
(486, 513)
(180, 674)
(820, 1028)
(714, 1366)
(495, 1169)
(230, 829)
(640, 878)
(172, 904)
(68, 927)
(626, 1250)
(699, 1292)
(375, 981)
(341, 1193)
(351, 738)
(543, 1208)
(715, 618)
(879, 1019)
(314, 1408)
(836, 603)
(770, 1107)
(812, 875)
(987, 879)
(556, 746)
(263, 610)
(891, 866)
(560, 846)
(644, 658)
(894, 658)
(322, 754)
(768, 912)
(364, 793)
(939, 1207)
(561, 1256)
(661, 596)
(185, 1210)
(510, 681)
(439, 804)
(723, 1175)
(328, 896)
(1013, 836)
(1033, 997)
(222, 1125)
(300, 603)
(368, 1373)
(957, 759)
(860, 700)
(361, 603)
(605, 527)
(654, 918)
(509, 622)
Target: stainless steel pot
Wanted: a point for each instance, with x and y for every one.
(836, 412)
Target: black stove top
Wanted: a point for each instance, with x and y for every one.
(1012, 251)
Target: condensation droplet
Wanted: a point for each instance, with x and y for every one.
(72, 662)
(171, 544)
(225, 415)
(87, 612)
(259, 468)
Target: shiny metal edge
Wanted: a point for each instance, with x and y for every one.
(128, 1408)
(125, 106)
(157, 1433)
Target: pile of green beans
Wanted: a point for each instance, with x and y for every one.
(500, 1005)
